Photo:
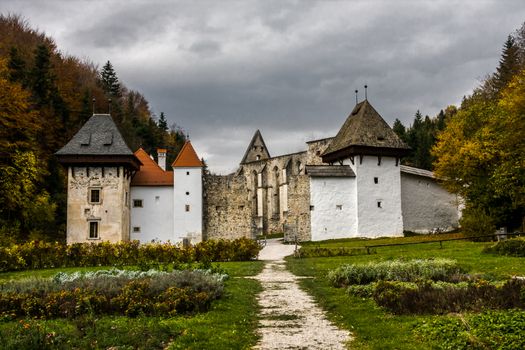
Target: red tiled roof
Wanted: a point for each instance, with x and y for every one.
(150, 173)
(187, 157)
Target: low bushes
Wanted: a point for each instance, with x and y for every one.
(511, 247)
(314, 252)
(38, 255)
(429, 298)
(111, 292)
(395, 270)
(488, 330)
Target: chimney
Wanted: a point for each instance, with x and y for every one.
(161, 157)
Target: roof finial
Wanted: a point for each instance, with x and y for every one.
(366, 96)
(356, 91)
(94, 105)
(109, 106)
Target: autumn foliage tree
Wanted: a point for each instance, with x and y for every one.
(481, 153)
(45, 97)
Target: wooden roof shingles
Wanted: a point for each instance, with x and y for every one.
(364, 132)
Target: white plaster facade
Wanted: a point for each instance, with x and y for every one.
(333, 208)
(379, 204)
(152, 214)
(187, 203)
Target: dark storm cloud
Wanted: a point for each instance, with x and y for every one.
(223, 69)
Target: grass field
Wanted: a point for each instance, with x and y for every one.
(230, 324)
(372, 327)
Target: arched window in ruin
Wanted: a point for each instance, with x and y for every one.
(275, 197)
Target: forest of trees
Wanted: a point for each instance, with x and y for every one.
(478, 149)
(45, 97)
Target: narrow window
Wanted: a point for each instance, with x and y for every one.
(136, 228)
(137, 203)
(376, 180)
(94, 196)
(379, 204)
(127, 199)
(93, 230)
(187, 208)
(339, 207)
(258, 157)
(187, 193)
(311, 207)
(187, 172)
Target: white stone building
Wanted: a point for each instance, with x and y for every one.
(351, 185)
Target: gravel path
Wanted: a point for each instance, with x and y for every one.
(290, 319)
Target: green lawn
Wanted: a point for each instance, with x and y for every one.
(372, 327)
(230, 324)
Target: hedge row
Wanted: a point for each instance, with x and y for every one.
(162, 294)
(40, 255)
(395, 270)
(511, 247)
(426, 298)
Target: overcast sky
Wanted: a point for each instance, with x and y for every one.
(223, 69)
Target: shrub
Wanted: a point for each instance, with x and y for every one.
(39, 255)
(313, 252)
(488, 330)
(395, 270)
(511, 247)
(475, 222)
(131, 293)
(428, 298)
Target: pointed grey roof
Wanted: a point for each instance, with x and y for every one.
(365, 132)
(98, 140)
(257, 147)
(99, 136)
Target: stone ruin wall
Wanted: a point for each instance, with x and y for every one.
(227, 209)
(230, 201)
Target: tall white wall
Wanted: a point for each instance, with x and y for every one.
(187, 190)
(372, 220)
(328, 221)
(155, 218)
(427, 205)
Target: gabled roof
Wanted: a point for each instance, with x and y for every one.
(187, 157)
(364, 132)
(150, 173)
(98, 136)
(329, 171)
(257, 147)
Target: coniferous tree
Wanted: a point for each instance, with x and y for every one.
(109, 80)
(163, 124)
(509, 64)
(17, 67)
(399, 129)
(42, 79)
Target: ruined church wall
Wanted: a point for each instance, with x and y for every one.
(227, 207)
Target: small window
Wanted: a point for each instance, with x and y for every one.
(93, 230)
(136, 228)
(187, 193)
(376, 180)
(127, 199)
(258, 157)
(94, 196)
(379, 205)
(187, 172)
(339, 207)
(187, 207)
(311, 207)
(137, 203)
(157, 199)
